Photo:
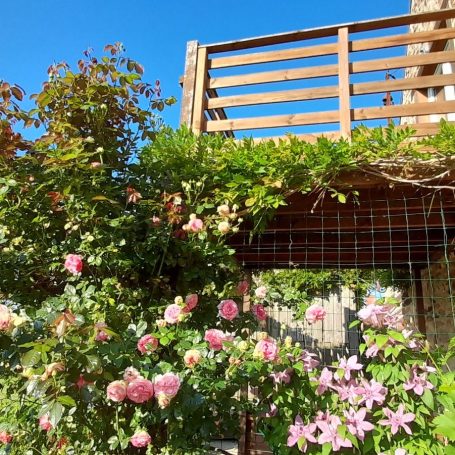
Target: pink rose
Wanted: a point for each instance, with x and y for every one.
(140, 439)
(223, 210)
(315, 313)
(130, 374)
(116, 391)
(146, 344)
(243, 287)
(259, 312)
(5, 318)
(95, 165)
(73, 263)
(261, 292)
(172, 313)
(190, 302)
(195, 224)
(167, 384)
(266, 349)
(192, 357)
(215, 339)
(140, 390)
(5, 437)
(45, 423)
(228, 309)
(101, 335)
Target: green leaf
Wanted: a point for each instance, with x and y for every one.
(55, 413)
(445, 425)
(354, 324)
(66, 400)
(31, 358)
(341, 198)
(326, 449)
(427, 398)
(93, 363)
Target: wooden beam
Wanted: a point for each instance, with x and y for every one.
(198, 124)
(273, 56)
(273, 121)
(332, 30)
(266, 77)
(186, 112)
(343, 82)
(282, 96)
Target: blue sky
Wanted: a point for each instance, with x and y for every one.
(35, 33)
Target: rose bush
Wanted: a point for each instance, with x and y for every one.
(120, 317)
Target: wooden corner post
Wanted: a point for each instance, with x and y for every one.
(343, 82)
(189, 79)
(200, 87)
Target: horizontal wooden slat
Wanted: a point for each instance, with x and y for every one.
(400, 40)
(273, 121)
(273, 76)
(422, 129)
(274, 97)
(273, 56)
(303, 137)
(332, 30)
(402, 62)
(392, 85)
(368, 113)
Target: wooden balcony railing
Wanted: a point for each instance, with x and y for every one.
(219, 82)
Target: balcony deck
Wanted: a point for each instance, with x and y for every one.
(323, 81)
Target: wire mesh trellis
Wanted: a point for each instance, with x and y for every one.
(389, 238)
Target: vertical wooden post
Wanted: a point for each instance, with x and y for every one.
(420, 303)
(189, 79)
(343, 82)
(199, 91)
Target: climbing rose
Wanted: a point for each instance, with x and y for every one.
(101, 335)
(146, 344)
(45, 423)
(266, 349)
(73, 263)
(192, 357)
(195, 224)
(116, 391)
(167, 384)
(191, 302)
(243, 287)
(215, 339)
(260, 292)
(5, 437)
(224, 227)
(163, 400)
(223, 210)
(397, 419)
(259, 312)
(315, 313)
(355, 421)
(5, 318)
(140, 390)
(130, 374)
(172, 313)
(140, 439)
(228, 309)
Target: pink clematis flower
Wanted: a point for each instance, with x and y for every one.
(329, 433)
(398, 419)
(325, 381)
(282, 377)
(315, 313)
(299, 430)
(356, 423)
(371, 392)
(347, 391)
(273, 410)
(349, 365)
(310, 361)
(418, 383)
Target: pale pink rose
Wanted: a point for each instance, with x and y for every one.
(223, 210)
(172, 313)
(161, 323)
(243, 287)
(191, 302)
(95, 164)
(195, 224)
(146, 344)
(266, 349)
(224, 227)
(140, 390)
(45, 423)
(116, 391)
(215, 339)
(5, 437)
(163, 400)
(167, 384)
(6, 318)
(101, 335)
(315, 313)
(228, 309)
(259, 312)
(130, 374)
(192, 357)
(140, 439)
(261, 292)
(73, 263)
(156, 220)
